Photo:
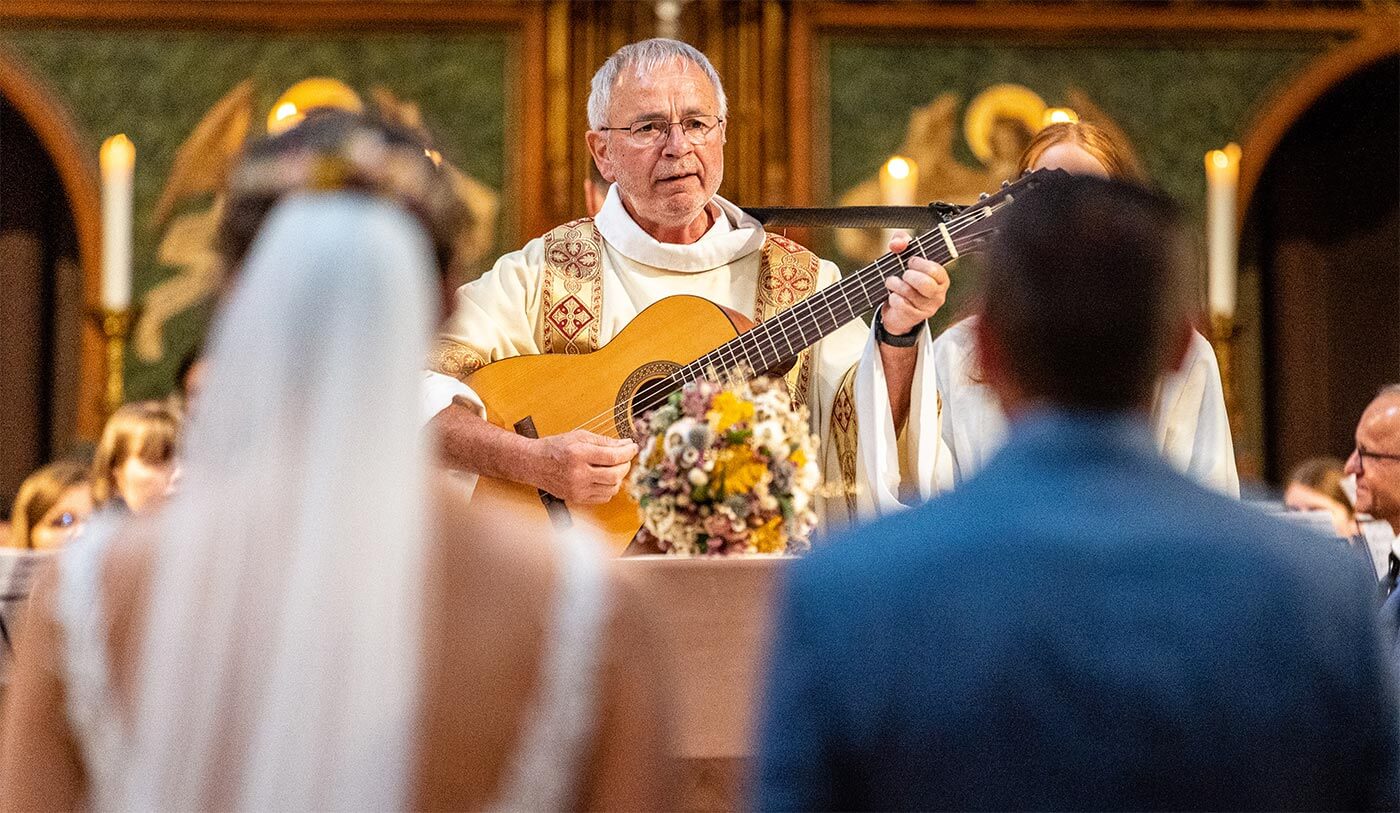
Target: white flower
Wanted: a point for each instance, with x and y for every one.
(677, 433)
(698, 477)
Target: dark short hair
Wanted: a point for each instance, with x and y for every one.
(1087, 290)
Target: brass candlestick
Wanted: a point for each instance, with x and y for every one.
(1224, 335)
(116, 327)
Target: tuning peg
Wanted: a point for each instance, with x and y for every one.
(1005, 184)
(982, 196)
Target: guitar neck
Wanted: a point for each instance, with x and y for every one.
(774, 343)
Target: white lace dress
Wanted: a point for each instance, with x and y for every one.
(558, 727)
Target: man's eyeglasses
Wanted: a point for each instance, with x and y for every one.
(650, 132)
(1363, 454)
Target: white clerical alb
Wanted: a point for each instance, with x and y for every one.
(498, 316)
(1189, 420)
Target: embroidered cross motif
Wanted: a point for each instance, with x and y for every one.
(570, 317)
(787, 284)
(574, 257)
(843, 412)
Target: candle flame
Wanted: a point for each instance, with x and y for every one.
(117, 153)
(1059, 115)
(898, 167)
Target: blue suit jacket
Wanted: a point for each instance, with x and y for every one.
(1079, 626)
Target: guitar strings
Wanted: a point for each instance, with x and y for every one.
(865, 281)
(744, 344)
(732, 358)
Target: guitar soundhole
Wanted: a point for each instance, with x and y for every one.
(645, 389)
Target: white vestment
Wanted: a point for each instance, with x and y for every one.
(1189, 420)
(497, 317)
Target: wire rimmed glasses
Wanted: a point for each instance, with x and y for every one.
(650, 132)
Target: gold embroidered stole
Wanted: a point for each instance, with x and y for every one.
(571, 295)
(787, 275)
(844, 436)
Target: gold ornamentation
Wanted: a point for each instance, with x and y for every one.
(787, 275)
(993, 107)
(572, 290)
(455, 359)
(845, 434)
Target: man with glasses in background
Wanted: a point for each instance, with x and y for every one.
(657, 123)
(1376, 464)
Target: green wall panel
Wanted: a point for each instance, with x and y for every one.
(157, 86)
(1174, 102)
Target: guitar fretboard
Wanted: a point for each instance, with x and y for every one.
(774, 343)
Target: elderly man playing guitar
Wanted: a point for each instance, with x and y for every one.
(657, 117)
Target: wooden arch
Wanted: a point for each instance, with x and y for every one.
(1289, 105)
(75, 162)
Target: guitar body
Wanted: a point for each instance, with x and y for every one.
(602, 391)
(599, 392)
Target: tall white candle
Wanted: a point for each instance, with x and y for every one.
(1222, 181)
(899, 181)
(118, 161)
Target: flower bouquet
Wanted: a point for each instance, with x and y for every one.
(727, 469)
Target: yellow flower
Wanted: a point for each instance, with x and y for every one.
(798, 457)
(740, 470)
(768, 537)
(728, 409)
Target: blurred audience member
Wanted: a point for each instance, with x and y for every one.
(309, 585)
(1189, 424)
(1080, 626)
(1316, 485)
(1375, 462)
(51, 506)
(1376, 459)
(135, 462)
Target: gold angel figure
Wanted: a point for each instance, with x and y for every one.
(187, 214)
(998, 125)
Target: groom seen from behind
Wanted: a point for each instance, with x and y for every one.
(1080, 626)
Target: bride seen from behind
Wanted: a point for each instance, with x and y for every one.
(318, 620)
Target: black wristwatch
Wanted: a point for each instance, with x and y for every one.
(896, 339)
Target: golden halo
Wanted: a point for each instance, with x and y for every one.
(1000, 101)
(290, 108)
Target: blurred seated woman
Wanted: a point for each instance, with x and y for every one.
(1316, 485)
(1190, 425)
(51, 506)
(317, 620)
(134, 465)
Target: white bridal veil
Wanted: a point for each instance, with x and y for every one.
(280, 663)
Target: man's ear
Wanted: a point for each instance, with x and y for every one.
(598, 148)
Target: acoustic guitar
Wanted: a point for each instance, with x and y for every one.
(680, 339)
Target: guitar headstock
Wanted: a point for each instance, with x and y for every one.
(974, 226)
